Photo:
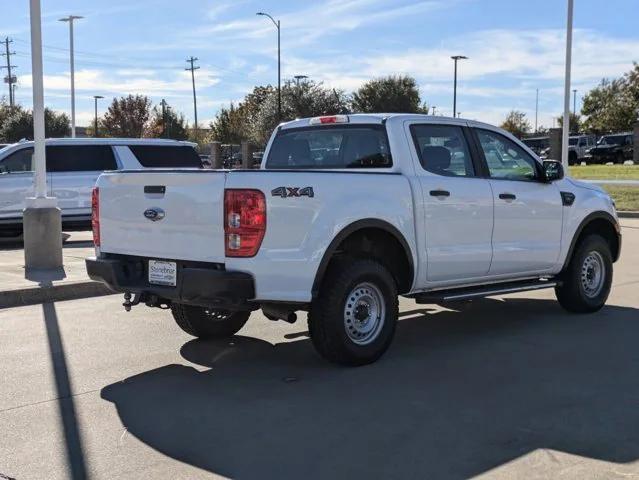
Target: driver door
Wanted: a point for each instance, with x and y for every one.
(16, 182)
(528, 212)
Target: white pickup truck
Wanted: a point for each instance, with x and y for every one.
(345, 214)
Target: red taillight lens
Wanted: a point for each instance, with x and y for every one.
(244, 222)
(95, 215)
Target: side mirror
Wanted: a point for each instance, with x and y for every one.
(553, 171)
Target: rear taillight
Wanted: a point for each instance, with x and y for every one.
(95, 215)
(244, 222)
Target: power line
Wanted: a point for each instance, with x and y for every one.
(10, 78)
(193, 68)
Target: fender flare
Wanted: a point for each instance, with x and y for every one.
(584, 223)
(352, 228)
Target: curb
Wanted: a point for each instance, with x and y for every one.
(55, 293)
(628, 214)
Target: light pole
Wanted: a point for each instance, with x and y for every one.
(42, 223)
(95, 98)
(456, 58)
(574, 103)
(566, 122)
(70, 20)
(279, 65)
(536, 110)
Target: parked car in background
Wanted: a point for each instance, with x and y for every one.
(578, 146)
(73, 166)
(616, 148)
(347, 213)
(537, 144)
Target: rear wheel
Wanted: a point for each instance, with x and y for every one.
(620, 158)
(352, 321)
(206, 323)
(572, 158)
(587, 280)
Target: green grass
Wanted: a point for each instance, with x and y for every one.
(605, 172)
(626, 198)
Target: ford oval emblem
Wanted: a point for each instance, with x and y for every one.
(154, 214)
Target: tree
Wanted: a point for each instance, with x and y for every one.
(388, 94)
(126, 116)
(575, 123)
(613, 105)
(309, 99)
(169, 124)
(19, 124)
(516, 123)
(235, 124)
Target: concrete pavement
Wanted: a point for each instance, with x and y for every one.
(499, 388)
(18, 287)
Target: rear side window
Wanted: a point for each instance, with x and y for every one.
(351, 146)
(442, 149)
(80, 158)
(155, 156)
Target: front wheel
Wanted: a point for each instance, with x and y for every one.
(208, 323)
(352, 321)
(587, 280)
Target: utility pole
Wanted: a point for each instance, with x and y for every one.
(193, 68)
(298, 78)
(536, 110)
(434, 108)
(70, 20)
(10, 78)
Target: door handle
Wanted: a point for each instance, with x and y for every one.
(439, 193)
(507, 196)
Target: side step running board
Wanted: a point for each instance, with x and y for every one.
(457, 294)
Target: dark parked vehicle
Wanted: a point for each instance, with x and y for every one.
(615, 148)
(537, 144)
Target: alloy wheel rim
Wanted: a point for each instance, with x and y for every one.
(364, 313)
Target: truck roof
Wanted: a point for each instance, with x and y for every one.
(362, 118)
(110, 141)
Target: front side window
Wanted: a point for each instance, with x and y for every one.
(353, 146)
(442, 149)
(505, 159)
(20, 161)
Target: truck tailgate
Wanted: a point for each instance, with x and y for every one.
(191, 204)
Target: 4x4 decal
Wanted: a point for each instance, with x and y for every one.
(285, 192)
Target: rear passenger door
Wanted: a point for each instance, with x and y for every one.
(458, 204)
(74, 170)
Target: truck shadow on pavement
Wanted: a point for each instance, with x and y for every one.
(458, 393)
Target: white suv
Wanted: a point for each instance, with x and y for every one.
(73, 166)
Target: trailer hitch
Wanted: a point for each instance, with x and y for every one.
(128, 303)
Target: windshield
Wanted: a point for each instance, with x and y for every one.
(344, 146)
(612, 140)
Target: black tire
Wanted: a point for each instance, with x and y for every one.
(573, 292)
(207, 323)
(620, 158)
(572, 158)
(331, 326)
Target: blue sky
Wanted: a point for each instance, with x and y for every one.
(140, 46)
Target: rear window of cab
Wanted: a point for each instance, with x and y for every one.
(330, 147)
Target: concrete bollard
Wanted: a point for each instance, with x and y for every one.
(555, 144)
(42, 238)
(216, 155)
(247, 155)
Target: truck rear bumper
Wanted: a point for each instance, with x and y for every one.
(207, 285)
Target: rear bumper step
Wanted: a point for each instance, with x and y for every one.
(458, 294)
(207, 286)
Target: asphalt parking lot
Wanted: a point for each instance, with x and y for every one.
(501, 388)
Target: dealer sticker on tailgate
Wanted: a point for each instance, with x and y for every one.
(162, 273)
